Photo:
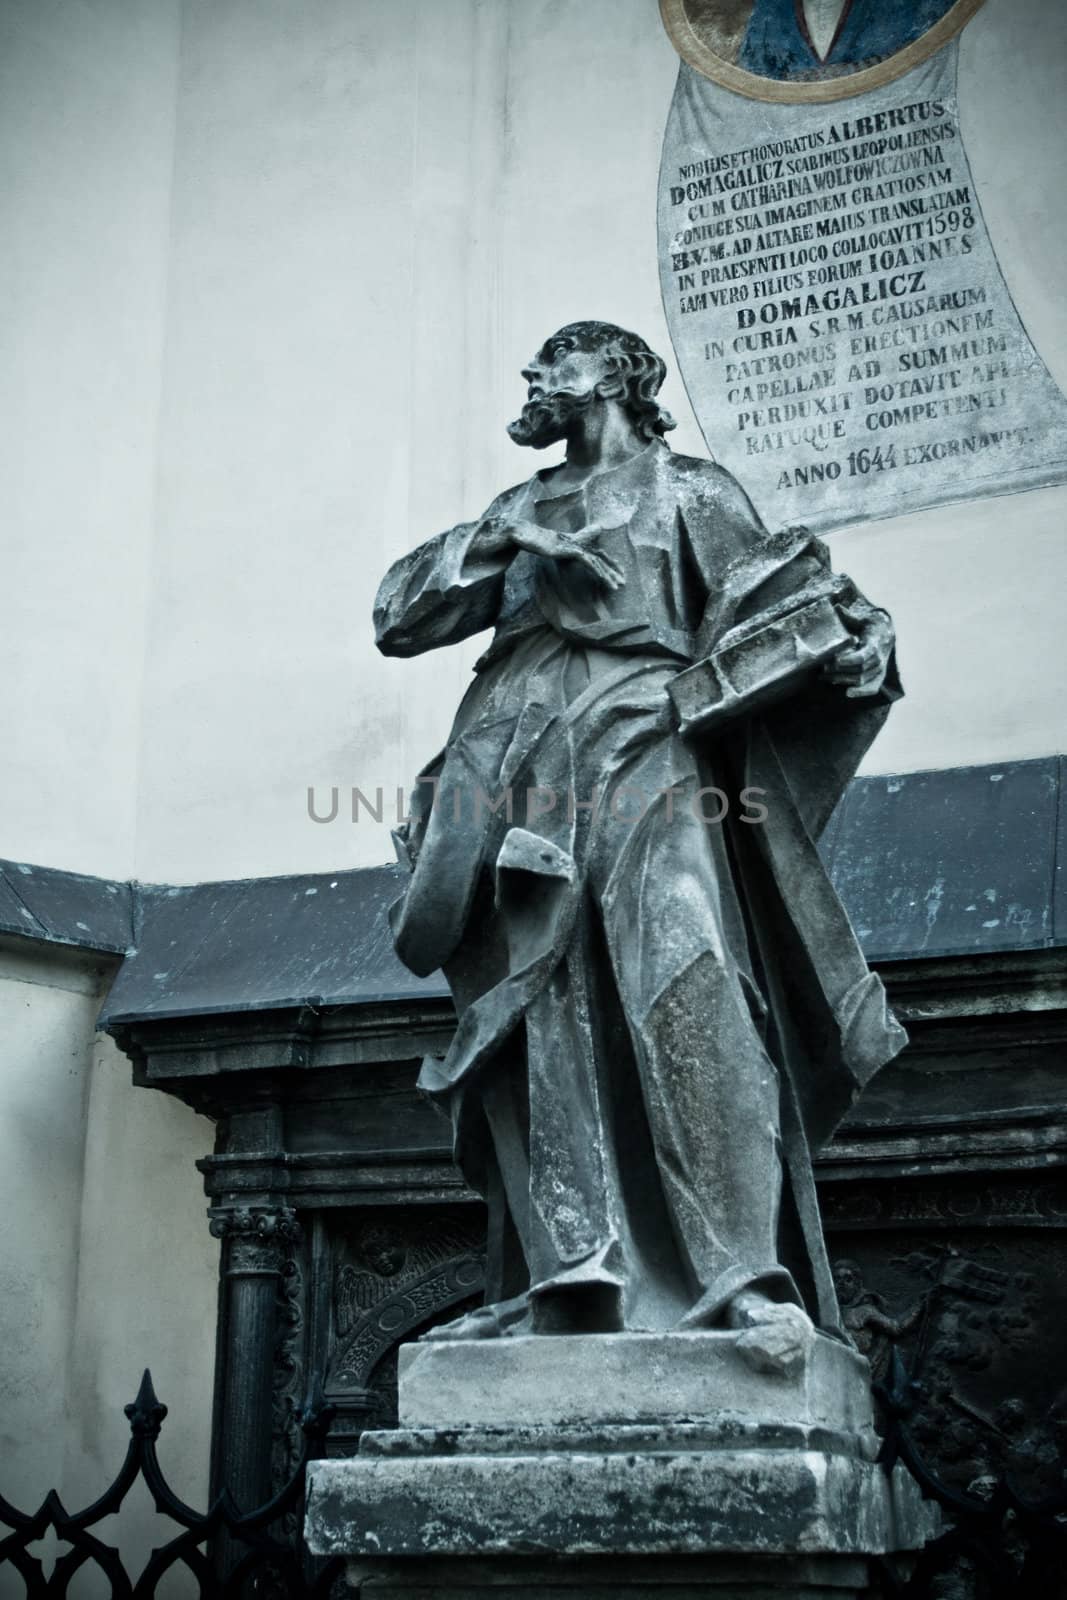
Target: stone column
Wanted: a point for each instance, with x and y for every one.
(255, 1243)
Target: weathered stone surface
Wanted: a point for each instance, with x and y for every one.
(626, 1377)
(785, 1502)
(662, 1009)
(636, 1577)
(610, 1445)
(713, 1434)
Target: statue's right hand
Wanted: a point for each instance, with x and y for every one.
(557, 546)
(492, 537)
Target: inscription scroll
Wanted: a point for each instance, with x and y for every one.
(845, 334)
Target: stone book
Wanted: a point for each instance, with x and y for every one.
(757, 665)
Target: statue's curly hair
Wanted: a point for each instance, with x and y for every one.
(637, 370)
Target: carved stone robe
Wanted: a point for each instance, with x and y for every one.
(659, 1012)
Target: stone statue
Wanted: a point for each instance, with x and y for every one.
(662, 1006)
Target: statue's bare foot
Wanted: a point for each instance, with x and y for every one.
(484, 1322)
(774, 1338)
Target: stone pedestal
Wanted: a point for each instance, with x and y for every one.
(633, 1464)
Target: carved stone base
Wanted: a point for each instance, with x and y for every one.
(620, 1378)
(638, 1578)
(608, 1491)
(666, 1450)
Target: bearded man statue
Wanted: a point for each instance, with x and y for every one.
(662, 1008)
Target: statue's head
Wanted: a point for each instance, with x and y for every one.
(584, 364)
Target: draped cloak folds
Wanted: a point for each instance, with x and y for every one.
(662, 1008)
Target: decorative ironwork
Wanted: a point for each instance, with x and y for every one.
(257, 1561)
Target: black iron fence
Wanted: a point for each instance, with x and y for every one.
(998, 1543)
(229, 1553)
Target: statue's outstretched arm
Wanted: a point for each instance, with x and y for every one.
(443, 591)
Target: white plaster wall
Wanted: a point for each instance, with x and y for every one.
(106, 1263)
(86, 140)
(146, 1296)
(378, 211)
(977, 589)
(48, 1002)
(274, 269)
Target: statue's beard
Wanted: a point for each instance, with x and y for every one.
(546, 420)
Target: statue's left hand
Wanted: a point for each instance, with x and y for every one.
(860, 667)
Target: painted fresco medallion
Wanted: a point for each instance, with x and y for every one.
(810, 50)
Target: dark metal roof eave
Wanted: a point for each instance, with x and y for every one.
(936, 864)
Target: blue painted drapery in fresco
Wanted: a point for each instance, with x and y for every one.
(776, 42)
